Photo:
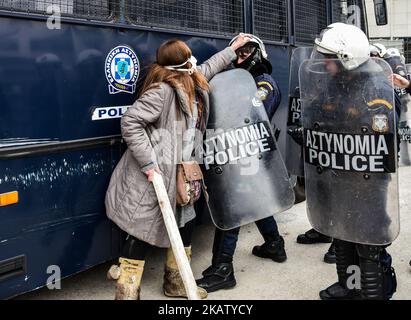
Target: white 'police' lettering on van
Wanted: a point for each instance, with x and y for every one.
(239, 143)
(350, 152)
(108, 112)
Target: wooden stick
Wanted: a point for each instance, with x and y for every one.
(175, 238)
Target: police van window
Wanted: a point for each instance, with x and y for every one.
(89, 9)
(223, 17)
(270, 20)
(310, 19)
(349, 11)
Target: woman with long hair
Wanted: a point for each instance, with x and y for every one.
(159, 129)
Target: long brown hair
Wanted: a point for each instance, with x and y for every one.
(174, 52)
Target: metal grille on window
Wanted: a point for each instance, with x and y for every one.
(89, 9)
(216, 17)
(310, 19)
(349, 11)
(270, 20)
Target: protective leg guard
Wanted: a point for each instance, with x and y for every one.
(346, 256)
(128, 276)
(372, 285)
(173, 285)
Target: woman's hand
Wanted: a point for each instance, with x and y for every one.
(241, 40)
(150, 173)
(399, 81)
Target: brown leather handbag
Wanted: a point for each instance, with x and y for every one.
(189, 183)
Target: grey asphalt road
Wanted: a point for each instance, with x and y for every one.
(302, 276)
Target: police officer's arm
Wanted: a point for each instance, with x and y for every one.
(270, 95)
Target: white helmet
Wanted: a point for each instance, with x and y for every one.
(256, 40)
(349, 43)
(378, 49)
(393, 52)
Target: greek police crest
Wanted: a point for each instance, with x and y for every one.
(122, 70)
(380, 123)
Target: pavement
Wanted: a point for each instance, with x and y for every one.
(301, 277)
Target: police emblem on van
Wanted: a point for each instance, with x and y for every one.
(122, 70)
(380, 123)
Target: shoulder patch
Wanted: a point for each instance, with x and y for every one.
(262, 83)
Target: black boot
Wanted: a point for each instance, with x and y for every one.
(220, 275)
(272, 249)
(346, 256)
(312, 236)
(329, 257)
(372, 285)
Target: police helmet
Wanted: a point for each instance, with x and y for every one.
(378, 50)
(259, 56)
(347, 42)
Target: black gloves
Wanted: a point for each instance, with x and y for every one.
(297, 134)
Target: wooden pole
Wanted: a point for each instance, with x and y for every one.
(175, 238)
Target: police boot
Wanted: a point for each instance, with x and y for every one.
(220, 275)
(272, 248)
(128, 276)
(346, 256)
(173, 285)
(371, 272)
(313, 236)
(329, 257)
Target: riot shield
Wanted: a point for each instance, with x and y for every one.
(293, 152)
(350, 150)
(243, 168)
(404, 130)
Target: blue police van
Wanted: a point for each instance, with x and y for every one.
(68, 71)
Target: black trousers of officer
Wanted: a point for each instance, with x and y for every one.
(225, 242)
(367, 257)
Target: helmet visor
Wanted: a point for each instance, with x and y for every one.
(245, 51)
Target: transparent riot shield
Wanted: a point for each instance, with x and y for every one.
(293, 154)
(244, 172)
(404, 124)
(350, 150)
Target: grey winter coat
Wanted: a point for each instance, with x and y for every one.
(152, 129)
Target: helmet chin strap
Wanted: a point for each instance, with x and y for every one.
(255, 60)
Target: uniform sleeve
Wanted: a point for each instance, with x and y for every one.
(270, 94)
(147, 109)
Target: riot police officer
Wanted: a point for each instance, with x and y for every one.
(220, 275)
(347, 101)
